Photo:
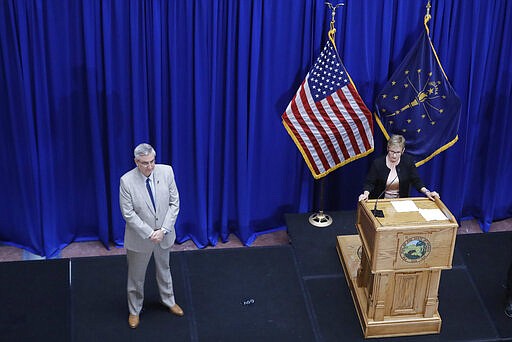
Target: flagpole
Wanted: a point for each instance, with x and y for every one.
(321, 219)
(332, 30)
(427, 17)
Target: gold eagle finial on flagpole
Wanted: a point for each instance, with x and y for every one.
(332, 30)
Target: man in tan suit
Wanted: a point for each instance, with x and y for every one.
(150, 203)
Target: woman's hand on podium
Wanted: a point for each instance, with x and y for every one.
(432, 195)
(364, 196)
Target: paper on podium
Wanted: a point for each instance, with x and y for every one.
(404, 206)
(432, 214)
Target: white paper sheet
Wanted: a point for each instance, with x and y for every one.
(432, 214)
(404, 206)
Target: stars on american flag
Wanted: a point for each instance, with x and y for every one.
(327, 75)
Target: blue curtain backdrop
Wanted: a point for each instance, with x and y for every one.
(82, 82)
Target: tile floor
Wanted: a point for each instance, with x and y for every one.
(96, 248)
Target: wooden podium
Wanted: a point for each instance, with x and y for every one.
(393, 266)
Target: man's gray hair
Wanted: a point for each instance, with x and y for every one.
(144, 150)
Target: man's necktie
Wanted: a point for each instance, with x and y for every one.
(150, 193)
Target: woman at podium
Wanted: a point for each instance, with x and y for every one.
(393, 174)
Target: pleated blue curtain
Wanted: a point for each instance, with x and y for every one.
(205, 82)
(85, 81)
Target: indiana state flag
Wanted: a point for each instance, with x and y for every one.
(419, 103)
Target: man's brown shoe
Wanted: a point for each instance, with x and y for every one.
(176, 310)
(133, 321)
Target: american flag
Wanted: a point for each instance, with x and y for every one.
(327, 119)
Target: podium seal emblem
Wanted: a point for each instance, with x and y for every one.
(415, 249)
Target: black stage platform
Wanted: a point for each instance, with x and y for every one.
(283, 293)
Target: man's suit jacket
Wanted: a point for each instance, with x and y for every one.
(138, 212)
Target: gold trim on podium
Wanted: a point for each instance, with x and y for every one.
(393, 267)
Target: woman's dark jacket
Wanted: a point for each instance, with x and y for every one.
(407, 175)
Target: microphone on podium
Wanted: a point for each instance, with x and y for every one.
(375, 211)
